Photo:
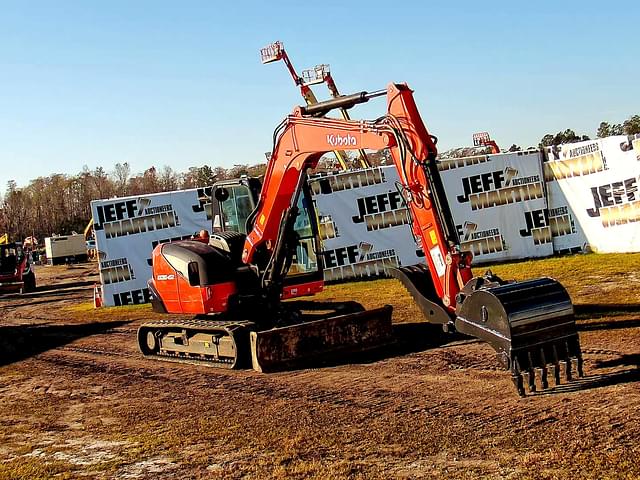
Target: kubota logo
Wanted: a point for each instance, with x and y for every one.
(336, 140)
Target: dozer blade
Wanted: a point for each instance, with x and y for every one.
(321, 341)
(530, 324)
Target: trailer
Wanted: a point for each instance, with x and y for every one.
(62, 249)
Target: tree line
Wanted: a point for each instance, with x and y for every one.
(60, 203)
(631, 126)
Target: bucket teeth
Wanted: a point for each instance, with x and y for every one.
(566, 364)
(543, 370)
(516, 377)
(542, 374)
(577, 361)
(528, 366)
(531, 374)
(556, 366)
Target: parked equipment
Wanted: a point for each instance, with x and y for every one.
(237, 282)
(61, 249)
(483, 139)
(16, 273)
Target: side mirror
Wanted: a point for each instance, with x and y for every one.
(221, 194)
(194, 274)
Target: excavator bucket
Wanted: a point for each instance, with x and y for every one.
(530, 324)
(323, 341)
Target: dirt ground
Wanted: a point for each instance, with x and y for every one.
(77, 400)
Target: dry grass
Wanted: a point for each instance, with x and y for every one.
(439, 413)
(590, 278)
(29, 468)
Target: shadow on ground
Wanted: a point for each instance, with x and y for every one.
(49, 290)
(586, 311)
(62, 285)
(597, 380)
(23, 341)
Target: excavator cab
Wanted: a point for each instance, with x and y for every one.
(232, 204)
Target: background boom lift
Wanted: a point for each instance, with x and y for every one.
(483, 139)
(320, 74)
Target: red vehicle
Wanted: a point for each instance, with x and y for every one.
(236, 283)
(16, 273)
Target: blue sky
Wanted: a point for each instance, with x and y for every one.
(181, 84)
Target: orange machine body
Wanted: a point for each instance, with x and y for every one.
(178, 296)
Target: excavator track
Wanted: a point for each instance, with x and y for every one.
(321, 339)
(222, 344)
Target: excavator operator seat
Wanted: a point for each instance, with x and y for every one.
(230, 242)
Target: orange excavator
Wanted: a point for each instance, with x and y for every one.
(237, 282)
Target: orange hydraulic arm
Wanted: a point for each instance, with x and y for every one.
(303, 138)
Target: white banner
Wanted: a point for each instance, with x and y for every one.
(127, 230)
(568, 236)
(600, 180)
(498, 204)
(364, 223)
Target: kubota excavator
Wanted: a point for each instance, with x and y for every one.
(236, 283)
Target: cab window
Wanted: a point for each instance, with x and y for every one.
(304, 259)
(235, 210)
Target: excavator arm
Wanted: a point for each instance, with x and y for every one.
(302, 139)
